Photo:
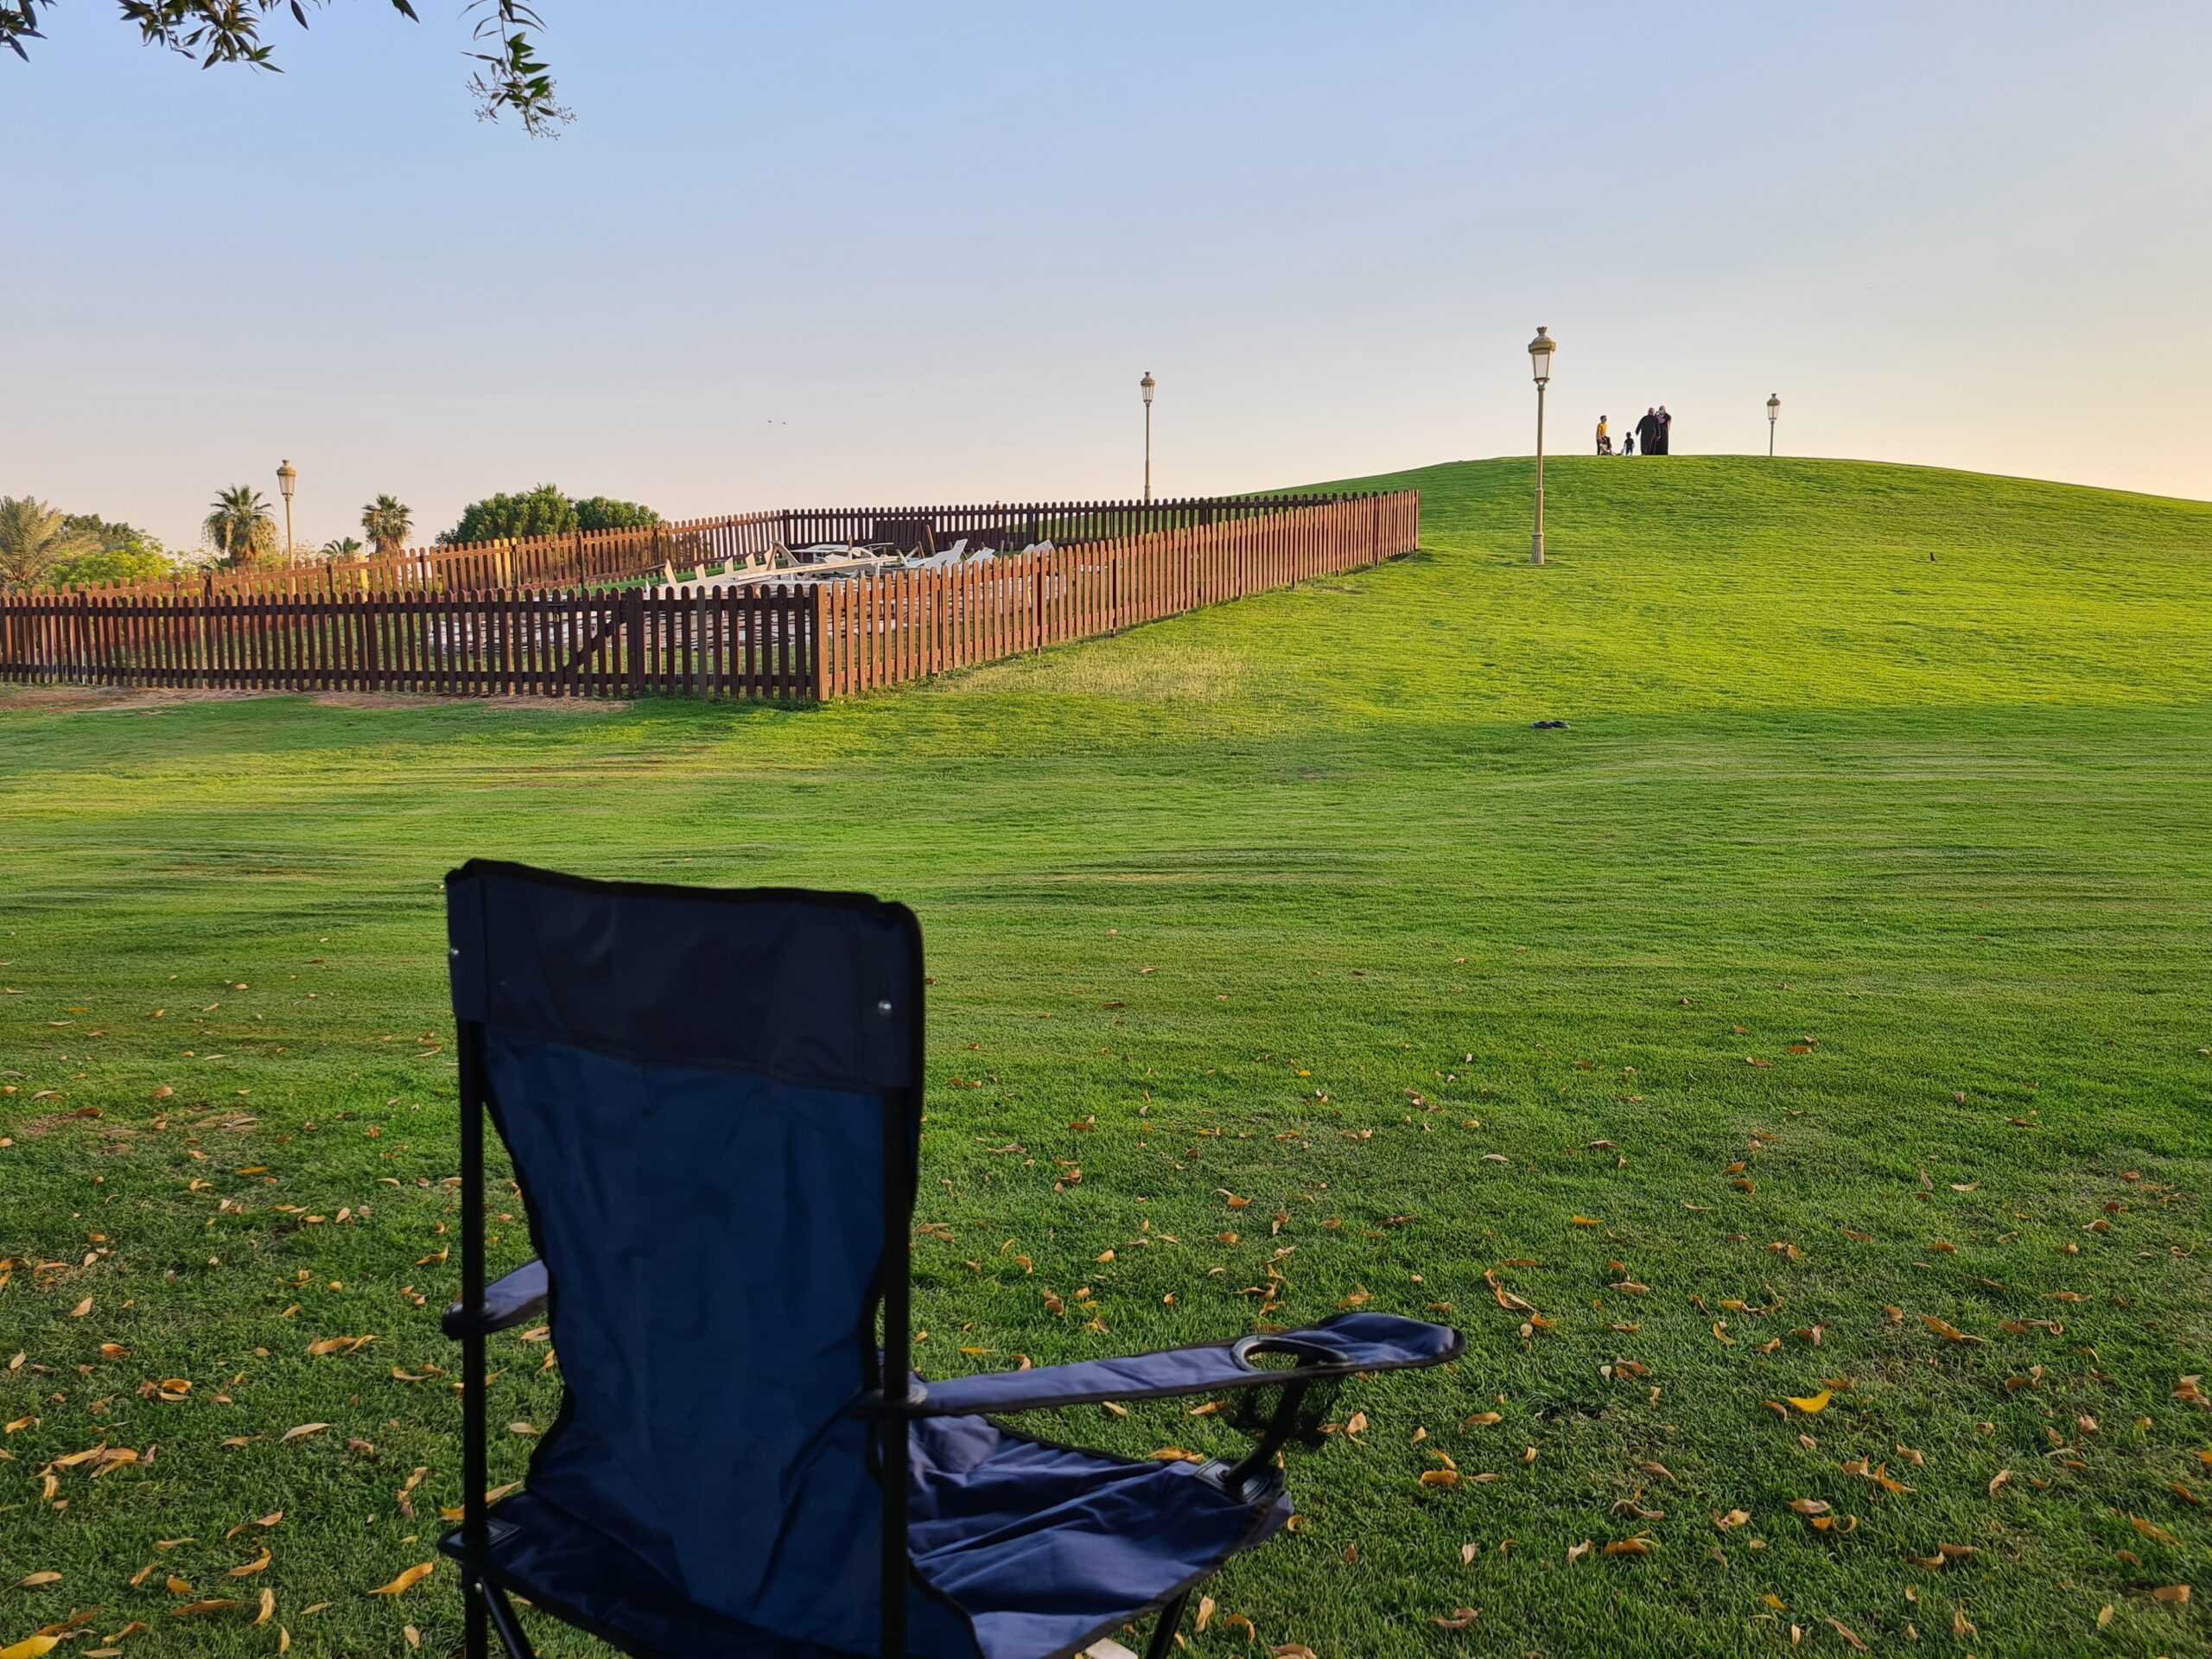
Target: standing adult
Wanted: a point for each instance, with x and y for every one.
(1666, 431)
(1647, 433)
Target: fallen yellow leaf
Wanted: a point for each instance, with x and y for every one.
(1812, 1405)
(407, 1580)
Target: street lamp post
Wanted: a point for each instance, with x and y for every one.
(287, 476)
(1773, 408)
(1540, 357)
(1145, 386)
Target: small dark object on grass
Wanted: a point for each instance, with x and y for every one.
(1549, 725)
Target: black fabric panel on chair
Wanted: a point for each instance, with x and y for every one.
(666, 974)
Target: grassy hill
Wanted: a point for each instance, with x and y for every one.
(1877, 858)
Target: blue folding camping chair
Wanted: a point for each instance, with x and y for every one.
(713, 1102)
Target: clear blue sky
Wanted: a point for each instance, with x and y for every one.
(842, 252)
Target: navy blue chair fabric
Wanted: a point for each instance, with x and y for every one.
(698, 1090)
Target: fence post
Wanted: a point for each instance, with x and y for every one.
(633, 639)
(699, 642)
(818, 643)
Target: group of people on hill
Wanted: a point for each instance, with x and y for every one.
(1650, 432)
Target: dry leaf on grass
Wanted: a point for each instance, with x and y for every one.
(407, 1580)
(1951, 1332)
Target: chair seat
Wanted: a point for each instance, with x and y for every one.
(1045, 1545)
(582, 1576)
(1045, 1548)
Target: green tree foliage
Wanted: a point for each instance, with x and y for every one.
(502, 518)
(545, 511)
(115, 564)
(604, 513)
(240, 525)
(387, 521)
(509, 78)
(342, 547)
(112, 552)
(35, 539)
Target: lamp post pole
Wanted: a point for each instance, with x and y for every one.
(287, 476)
(1540, 357)
(1146, 385)
(1773, 408)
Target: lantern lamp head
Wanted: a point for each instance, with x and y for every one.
(1539, 354)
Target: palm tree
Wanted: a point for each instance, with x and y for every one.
(239, 524)
(33, 538)
(387, 521)
(342, 547)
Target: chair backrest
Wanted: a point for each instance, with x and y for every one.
(907, 535)
(702, 1091)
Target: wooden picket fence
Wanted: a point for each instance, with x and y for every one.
(747, 642)
(586, 559)
(905, 625)
(817, 641)
(537, 564)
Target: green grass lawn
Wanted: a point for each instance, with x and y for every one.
(1842, 975)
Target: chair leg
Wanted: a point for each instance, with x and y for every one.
(502, 1612)
(1163, 1628)
(476, 1629)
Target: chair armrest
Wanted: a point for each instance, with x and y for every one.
(1336, 1347)
(508, 1301)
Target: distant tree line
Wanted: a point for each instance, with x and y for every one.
(41, 546)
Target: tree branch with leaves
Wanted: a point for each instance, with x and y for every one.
(509, 78)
